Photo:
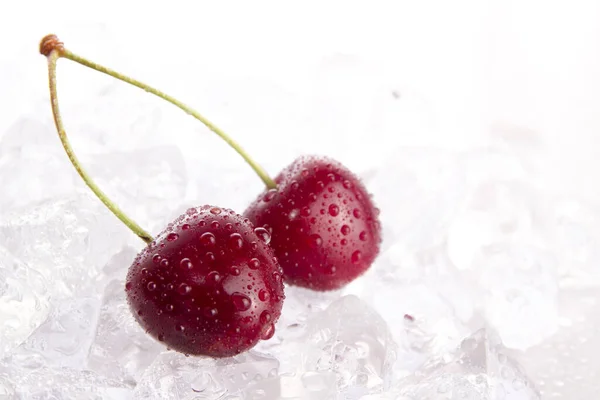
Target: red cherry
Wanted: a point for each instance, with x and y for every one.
(209, 284)
(203, 293)
(324, 227)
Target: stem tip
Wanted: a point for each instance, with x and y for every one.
(50, 43)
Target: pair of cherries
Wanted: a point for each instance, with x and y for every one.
(212, 283)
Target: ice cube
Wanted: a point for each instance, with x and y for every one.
(66, 384)
(63, 340)
(519, 290)
(481, 368)
(496, 211)
(24, 301)
(31, 157)
(419, 191)
(348, 345)
(175, 376)
(67, 242)
(146, 183)
(566, 365)
(575, 233)
(423, 299)
(120, 348)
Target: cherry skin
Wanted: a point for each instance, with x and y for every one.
(207, 285)
(324, 226)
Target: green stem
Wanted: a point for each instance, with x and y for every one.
(53, 56)
(257, 168)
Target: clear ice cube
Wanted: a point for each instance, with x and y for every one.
(24, 301)
(481, 368)
(120, 347)
(419, 194)
(519, 287)
(175, 376)
(67, 242)
(346, 348)
(66, 384)
(566, 365)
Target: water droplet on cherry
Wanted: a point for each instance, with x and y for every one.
(241, 301)
(334, 210)
(263, 234)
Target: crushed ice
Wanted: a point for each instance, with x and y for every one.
(486, 287)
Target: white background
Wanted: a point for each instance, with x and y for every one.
(467, 71)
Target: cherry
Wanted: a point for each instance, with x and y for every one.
(324, 226)
(209, 284)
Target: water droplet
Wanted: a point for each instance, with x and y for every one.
(185, 227)
(186, 263)
(304, 172)
(202, 223)
(180, 328)
(151, 286)
(254, 263)
(144, 271)
(215, 225)
(263, 295)
(320, 184)
(345, 229)
(215, 210)
(171, 237)
(156, 259)
(254, 245)
(184, 289)
(169, 307)
(313, 220)
(363, 236)
(128, 286)
(208, 239)
(263, 235)
(268, 332)
(213, 277)
(235, 271)
(241, 301)
(161, 338)
(210, 257)
(269, 195)
(305, 211)
(343, 242)
(331, 189)
(235, 241)
(334, 210)
(265, 317)
(164, 263)
(356, 257)
(295, 185)
(347, 184)
(293, 214)
(211, 312)
(277, 276)
(356, 213)
(316, 240)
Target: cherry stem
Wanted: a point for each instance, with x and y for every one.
(52, 49)
(188, 110)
